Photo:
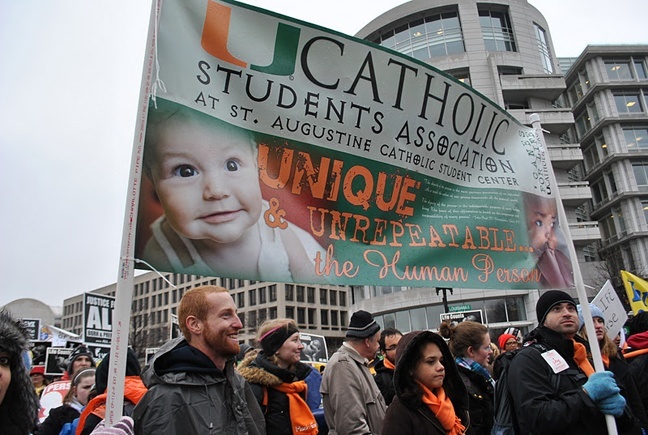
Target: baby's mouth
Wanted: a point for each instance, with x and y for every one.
(220, 217)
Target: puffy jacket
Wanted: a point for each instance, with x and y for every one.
(261, 374)
(188, 394)
(95, 411)
(548, 403)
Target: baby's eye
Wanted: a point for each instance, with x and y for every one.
(232, 165)
(185, 171)
(538, 223)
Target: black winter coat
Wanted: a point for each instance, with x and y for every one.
(56, 419)
(384, 378)
(553, 404)
(480, 401)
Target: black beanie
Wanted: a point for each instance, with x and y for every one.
(77, 352)
(362, 325)
(272, 340)
(550, 299)
(102, 373)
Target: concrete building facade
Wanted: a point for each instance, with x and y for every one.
(504, 50)
(607, 87)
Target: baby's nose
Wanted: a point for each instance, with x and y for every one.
(215, 187)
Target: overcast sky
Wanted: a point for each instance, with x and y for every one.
(69, 85)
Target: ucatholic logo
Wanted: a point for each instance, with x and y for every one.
(216, 32)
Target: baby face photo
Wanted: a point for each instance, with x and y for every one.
(202, 210)
(206, 179)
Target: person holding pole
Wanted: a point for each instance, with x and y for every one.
(557, 389)
(193, 386)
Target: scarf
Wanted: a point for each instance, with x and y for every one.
(475, 367)
(443, 410)
(580, 357)
(301, 417)
(388, 364)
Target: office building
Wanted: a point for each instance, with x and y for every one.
(607, 87)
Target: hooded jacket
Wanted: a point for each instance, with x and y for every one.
(19, 409)
(407, 414)
(188, 394)
(262, 374)
(554, 403)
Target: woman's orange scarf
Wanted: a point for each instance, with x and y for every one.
(443, 410)
(301, 417)
(580, 356)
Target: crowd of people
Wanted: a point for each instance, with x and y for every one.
(424, 382)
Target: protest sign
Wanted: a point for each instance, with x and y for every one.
(56, 360)
(52, 397)
(315, 349)
(462, 316)
(33, 328)
(368, 165)
(97, 318)
(614, 312)
(637, 290)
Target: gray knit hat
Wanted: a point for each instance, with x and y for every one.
(362, 325)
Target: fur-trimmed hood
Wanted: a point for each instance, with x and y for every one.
(257, 369)
(19, 409)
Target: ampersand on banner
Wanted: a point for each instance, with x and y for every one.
(274, 215)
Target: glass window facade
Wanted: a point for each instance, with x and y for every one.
(543, 47)
(497, 30)
(628, 103)
(636, 138)
(436, 35)
(640, 170)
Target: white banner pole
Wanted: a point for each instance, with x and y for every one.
(125, 280)
(578, 277)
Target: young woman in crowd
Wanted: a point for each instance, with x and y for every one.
(471, 345)
(430, 395)
(73, 402)
(18, 400)
(287, 389)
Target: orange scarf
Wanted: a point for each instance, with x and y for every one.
(301, 417)
(580, 356)
(443, 410)
(388, 364)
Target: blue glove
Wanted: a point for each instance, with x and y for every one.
(613, 405)
(600, 385)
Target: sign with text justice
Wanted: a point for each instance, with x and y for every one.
(277, 150)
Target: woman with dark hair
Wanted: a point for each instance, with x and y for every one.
(286, 389)
(430, 395)
(73, 403)
(471, 345)
(18, 400)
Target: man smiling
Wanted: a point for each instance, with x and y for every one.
(193, 387)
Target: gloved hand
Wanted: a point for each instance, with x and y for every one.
(613, 405)
(601, 385)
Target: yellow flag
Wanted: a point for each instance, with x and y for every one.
(637, 291)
